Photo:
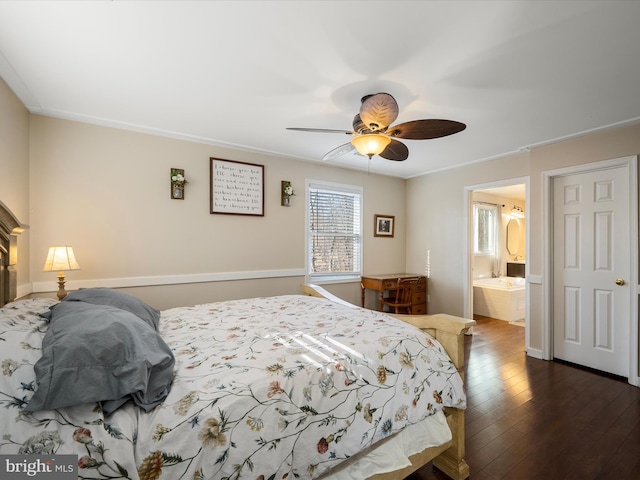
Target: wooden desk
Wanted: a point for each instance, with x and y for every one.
(387, 283)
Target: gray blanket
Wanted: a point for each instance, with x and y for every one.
(100, 353)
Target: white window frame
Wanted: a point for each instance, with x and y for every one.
(333, 277)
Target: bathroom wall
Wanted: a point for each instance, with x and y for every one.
(486, 265)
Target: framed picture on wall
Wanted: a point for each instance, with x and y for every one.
(384, 225)
(237, 188)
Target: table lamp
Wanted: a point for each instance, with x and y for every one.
(61, 259)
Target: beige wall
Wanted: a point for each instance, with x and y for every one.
(436, 240)
(617, 143)
(106, 192)
(435, 207)
(14, 171)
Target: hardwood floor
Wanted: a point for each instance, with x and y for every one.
(535, 419)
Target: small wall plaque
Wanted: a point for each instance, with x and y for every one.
(177, 183)
(384, 225)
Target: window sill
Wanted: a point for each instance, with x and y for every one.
(332, 279)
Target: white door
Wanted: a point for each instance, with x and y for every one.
(591, 268)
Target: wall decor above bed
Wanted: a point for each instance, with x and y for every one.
(178, 183)
(237, 188)
(286, 192)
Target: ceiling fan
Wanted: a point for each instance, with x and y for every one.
(373, 133)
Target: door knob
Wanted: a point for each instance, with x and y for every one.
(620, 281)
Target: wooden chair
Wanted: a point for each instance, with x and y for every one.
(401, 300)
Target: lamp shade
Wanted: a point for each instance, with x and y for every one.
(60, 259)
(370, 144)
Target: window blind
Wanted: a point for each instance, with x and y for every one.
(334, 230)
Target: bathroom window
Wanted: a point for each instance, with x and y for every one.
(334, 226)
(485, 229)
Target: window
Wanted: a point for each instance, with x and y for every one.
(334, 226)
(484, 224)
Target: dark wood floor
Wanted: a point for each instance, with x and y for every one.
(535, 419)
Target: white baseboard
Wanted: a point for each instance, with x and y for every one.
(535, 353)
(26, 289)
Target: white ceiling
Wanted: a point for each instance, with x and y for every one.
(237, 73)
(515, 192)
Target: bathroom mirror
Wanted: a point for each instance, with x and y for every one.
(513, 236)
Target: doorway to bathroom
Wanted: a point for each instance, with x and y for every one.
(497, 251)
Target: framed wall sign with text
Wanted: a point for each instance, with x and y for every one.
(237, 188)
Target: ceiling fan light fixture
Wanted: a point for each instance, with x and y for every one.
(373, 133)
(370, 144)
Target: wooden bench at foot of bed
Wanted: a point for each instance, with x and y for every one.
(449, 331)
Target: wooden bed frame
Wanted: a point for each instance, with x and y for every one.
(449, 331)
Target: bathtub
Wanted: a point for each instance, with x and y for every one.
(501, 298)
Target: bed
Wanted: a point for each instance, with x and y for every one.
(292, 386)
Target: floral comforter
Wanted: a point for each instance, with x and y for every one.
(264, 388)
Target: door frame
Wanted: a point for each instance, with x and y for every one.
(467, 230)
(631, 162)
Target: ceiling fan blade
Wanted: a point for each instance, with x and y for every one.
(425, 129)
(321, 130)
(396, 151)
(378, 111)
(358, 124)
(339, 152)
